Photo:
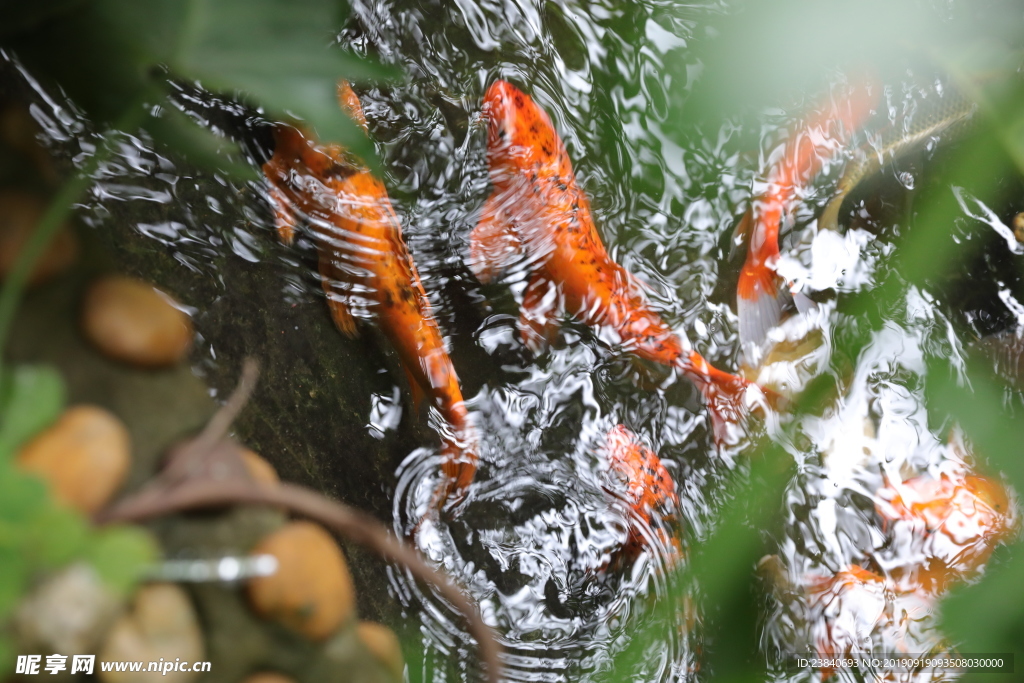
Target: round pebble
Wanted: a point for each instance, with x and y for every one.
(130, 321)
(384, 646)
(84, 457)
(161, 625)
(312, 590)
(68, 612)
(261, 471)
(269, 677)
(20, 212)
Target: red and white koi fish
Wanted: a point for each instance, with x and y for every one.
(538, 213)
(761, 294)
(367, 272)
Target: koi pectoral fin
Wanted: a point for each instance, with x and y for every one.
(416, 390)
(493, 244)
(285, 220)
(538, 316)
(337, 298)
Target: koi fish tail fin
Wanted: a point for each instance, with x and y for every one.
(458, 469)
(804, 304)
(538, 315)
(829, 218)
(493, 244)
(728, 397)
(761, 298)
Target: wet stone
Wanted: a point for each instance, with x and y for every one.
(130, 321)
(312, 590)
(84, 457)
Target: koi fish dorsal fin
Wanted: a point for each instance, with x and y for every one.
(538, 316)
(493, 244)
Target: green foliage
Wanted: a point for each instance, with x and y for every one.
(111, 56)
(31, 397)
(769, 54)
(120, 554)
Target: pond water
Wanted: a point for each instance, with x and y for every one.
(532, 541)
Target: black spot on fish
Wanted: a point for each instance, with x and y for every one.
(339, 170)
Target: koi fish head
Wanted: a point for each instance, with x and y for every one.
(519, 133)
(295, 148)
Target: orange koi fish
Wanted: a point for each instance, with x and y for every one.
(646, 487)
(367, 272)
(538, 213)
(959, 519)
(761, 294)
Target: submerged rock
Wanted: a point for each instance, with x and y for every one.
(68, 613)
(312, 590)
(84, 457)
(161, 625)
(131, 321)
(383, 645)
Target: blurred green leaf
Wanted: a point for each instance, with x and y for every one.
(768, 54)
(14, 575)
(19, 16)
(7, 656)
(177, 130)
(22, 496)
(121, 555)
(988, 616)
(979, 408)
(278, 52)
(723, 567)
(57, 536)
(32, 398)
(106, 55)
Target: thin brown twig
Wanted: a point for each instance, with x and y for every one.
(218, 426)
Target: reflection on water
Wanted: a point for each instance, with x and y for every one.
(883, 512)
